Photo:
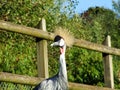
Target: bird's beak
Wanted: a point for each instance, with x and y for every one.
(58, 43)
(55, 44)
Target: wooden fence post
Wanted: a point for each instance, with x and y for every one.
(42, 54)
(108, 67)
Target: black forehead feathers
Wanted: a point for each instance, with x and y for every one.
(57, 38)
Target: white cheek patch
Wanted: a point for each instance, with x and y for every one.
(62, 42)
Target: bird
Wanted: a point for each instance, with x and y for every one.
(59, 81)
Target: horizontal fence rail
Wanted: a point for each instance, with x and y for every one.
(25, 30)
(42, 33)
(22, 79)
(50, 36)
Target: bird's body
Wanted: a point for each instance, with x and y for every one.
(55, 83)
(59, 81)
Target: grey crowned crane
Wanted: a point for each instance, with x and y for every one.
(59, 81)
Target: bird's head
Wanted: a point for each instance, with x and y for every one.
(58, 41)
(63, 37)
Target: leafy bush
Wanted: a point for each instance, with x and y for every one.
(18, 52)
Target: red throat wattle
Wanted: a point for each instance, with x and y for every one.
(61, 50)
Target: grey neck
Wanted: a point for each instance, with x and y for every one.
(62, 69)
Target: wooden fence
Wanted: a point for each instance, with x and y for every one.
(42, 36)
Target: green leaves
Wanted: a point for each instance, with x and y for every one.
(17, 54)
(84, 66)
(116, 6)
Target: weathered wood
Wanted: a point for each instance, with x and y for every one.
(21, 79)
(96, 47)
(76, 86)
(50, 36)
(108, 67)
(42, 54)
(25, 30)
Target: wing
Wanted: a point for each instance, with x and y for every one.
(54, 83)
(45, 85)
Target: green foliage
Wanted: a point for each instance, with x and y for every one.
(85, 66)
(29, 12)
(12, 86)
(116, 6)
(104, 22)
(95, 26)
(18, 52)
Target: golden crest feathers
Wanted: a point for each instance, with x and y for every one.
(66, 35)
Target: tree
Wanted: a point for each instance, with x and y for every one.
(101, 22)
(116, 6)
(94, 26)
(18, 52)
(27, 13)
